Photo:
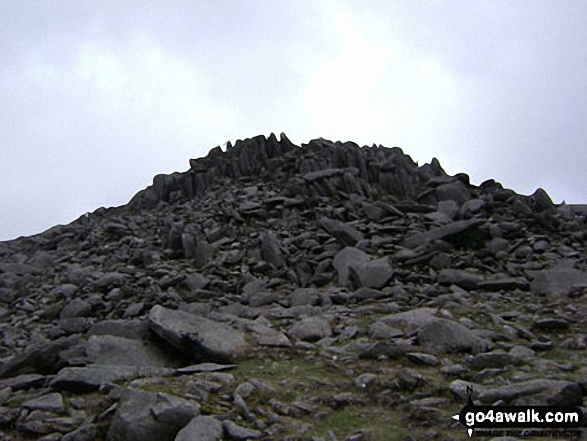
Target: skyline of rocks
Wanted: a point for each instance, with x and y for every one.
(272, 291)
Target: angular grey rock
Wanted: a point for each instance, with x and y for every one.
(198, 337)
(149, 416)
(346, 234)
(76, 308)
(239, 433)
(462, 278)
(373, 274)
(549, 392)
(304, 296)
(201, 428)
(454, 191)
(412, 321)
(557, 280)
(447, 336)
(112, 350)
(90, 378)
(347, 258)
(43, 360)
(310, 329)
(491, 360)
(448, 232)
(271, 251)
(52, 402)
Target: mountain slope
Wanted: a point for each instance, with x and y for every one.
(324, 290)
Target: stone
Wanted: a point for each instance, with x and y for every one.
(455, 231)
(76, 308)
(447, 336)
(455, 191)
(347, 258)
(491, 360)
(304, 296)
(346, 234)
(52, 402)
(120, 351)
(43, 360)
(239, 433)
(271, 251)
(462, 278)
(150, 416)
(201, 428)
(410, 322)
(310, 329)
(91, 378)
(373, 274)
(197, 337)
(550, 392)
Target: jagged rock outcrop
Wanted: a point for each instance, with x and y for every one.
(272, 286)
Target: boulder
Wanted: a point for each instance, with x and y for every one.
(310, 329)
(197, 337)
(347, 258)
(548, 392)
(150, 416)
(447, 336)
(201, 428)
(346, 234)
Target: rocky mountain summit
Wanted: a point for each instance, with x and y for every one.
(280, 292)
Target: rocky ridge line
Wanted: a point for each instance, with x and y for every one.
(273, 291)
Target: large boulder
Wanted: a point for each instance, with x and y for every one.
(447, 336)
(150, 416)
(201, 428)
(198, 337)
(347, 258)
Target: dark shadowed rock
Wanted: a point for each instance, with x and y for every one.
(455, 230)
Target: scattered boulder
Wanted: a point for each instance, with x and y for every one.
(197, 337)
(150, 416)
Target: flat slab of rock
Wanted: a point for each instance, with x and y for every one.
(547, 392)
(90, 378)
(198, 337)
(490, 360)
(558, 280)
(239, 433)
(150, 416)
(462, 278)
(445, 232)
(411, 321)
(109, 349)
(346, 234)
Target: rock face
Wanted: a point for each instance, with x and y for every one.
(283, 289)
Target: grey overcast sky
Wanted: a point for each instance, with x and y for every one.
(97, 97)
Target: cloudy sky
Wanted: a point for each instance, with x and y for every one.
(97, 97)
